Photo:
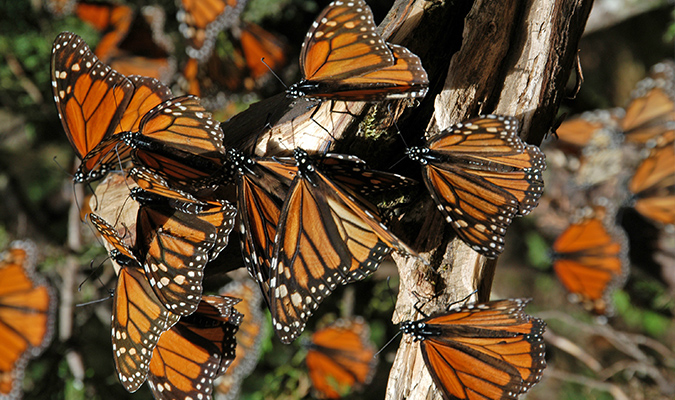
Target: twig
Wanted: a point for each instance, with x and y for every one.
(611, 388)
(571, 348)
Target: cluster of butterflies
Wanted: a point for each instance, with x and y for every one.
(608, 161)
(133, 42)
(308, 223)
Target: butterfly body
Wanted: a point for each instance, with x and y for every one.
(343, 58)
(489, 350)
(481, 175)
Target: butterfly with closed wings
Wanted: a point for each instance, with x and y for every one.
(344, 58)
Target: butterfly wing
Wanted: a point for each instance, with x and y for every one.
(491, 350)
(202, 20)
(138, 320)
(148, 93)
(150, 182)
(175, 247)
(194, 351)
(249, 338)
(257, 43)
(90, 97)
(481, 175)
(112, 20)
(182, 123)
(343, 58)
(340, 358)
(261, 188)
(326, 237)
(27, 308)
(654, 182)
(648, 115)
(590, 263)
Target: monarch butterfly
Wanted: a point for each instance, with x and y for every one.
(341, 358)
(180, 141)
(488, 350)
(146, 49)
(95, 103)
(590, 262)
(202, 20)
(133, 43)
(138, 317)
(652, 109)
(257, 43)
(653, 183)
(152, 183)
(327, 235)
(262, 185)
(175, 246)
(343, 58)
(112, 20)
(27, 309)
(481, 175)
(249, 338)
(193, 352)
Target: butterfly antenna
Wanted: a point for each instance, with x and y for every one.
(94, 301)
(93, 270)
(262, 60)
(61, 167)
(387, 344)
(464, 300)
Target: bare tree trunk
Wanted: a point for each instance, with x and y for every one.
(512, 58)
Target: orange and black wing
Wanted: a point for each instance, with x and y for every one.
(648, 115)
(196, 350)
(482, 351)
(343, 58)
(183, 124)
(261, 189)
(327, 236)
(138, 320)
(27, 309)
(90, 97)
(249, 337)
(175, 246)
(112, 20)
(653, 183)
(202, 20)
(590, 262)
(150, 182)
(481, 175)
(341, 358)
(257, 44)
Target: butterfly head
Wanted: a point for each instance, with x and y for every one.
(240, 162)
(419, 330)
(305, 166)
(299, 89)
(82, 176)
(418, 154)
